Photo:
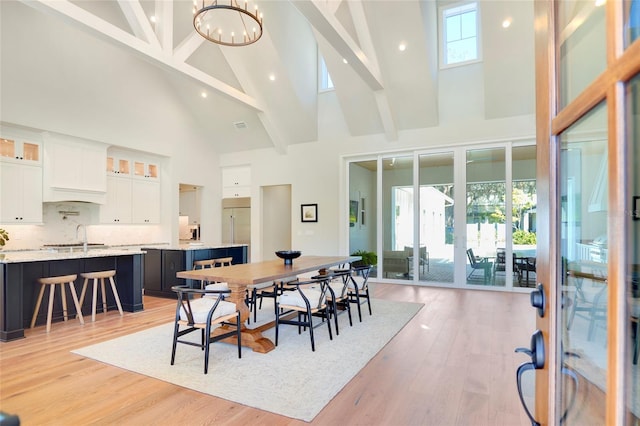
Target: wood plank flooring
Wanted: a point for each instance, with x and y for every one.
(453, 364)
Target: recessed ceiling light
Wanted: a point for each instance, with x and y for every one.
(506, 23)
(344, 60)
(272, 77)
(203, 94)
(402, 47)
(153, 19)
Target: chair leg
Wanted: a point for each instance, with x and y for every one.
(348, 308)
(63, 295)
(50, 307)
(358, 304)
(207, 341)
(368, 300)
(94, 300)
(326, 314)
(239, 335)
(275, 307)
(313, 345)
(175, 342)
(76, 303)
(37, 308)
(104, 296)
(335, 315)
(115, 295)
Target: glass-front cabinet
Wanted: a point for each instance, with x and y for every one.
(19, 150)
(117, 165)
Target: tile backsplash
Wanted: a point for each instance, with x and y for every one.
(61, 219)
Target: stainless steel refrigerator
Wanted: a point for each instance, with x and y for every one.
(236, 225)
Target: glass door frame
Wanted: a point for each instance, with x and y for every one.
(551, 121)
(460, 233)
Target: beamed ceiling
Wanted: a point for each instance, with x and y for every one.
(103, 70)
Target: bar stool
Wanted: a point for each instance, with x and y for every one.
(52, 282)
(95, 276)
(222, 261)
(202, 264)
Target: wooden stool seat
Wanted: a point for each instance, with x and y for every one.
(52, 282)
(95, 276)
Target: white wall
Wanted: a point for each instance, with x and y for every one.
(316, 173)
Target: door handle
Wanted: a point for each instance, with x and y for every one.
(539, 300)
(537, 354)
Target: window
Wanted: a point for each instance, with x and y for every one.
(459, 35)
(324, 80)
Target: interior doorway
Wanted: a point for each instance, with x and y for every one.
(189, 212)
(276, 220)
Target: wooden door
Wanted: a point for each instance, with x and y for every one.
(587, 85)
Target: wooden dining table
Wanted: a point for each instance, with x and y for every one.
(239, 276)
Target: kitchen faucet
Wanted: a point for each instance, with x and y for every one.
(84, 235)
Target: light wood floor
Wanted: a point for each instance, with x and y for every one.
(453, 364)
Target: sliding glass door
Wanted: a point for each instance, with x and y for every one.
(435, 256)
(417, 239)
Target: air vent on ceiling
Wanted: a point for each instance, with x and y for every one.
(240, 125)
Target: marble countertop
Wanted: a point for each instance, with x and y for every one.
(194, 246)
(21, 256)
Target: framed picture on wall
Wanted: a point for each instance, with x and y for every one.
(309, 212)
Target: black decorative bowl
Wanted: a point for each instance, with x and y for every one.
(288, 256)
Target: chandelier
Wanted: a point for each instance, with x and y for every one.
(227, 23)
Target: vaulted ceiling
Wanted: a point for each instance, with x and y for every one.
(104, 70)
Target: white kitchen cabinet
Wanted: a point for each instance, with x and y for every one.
(146, 169)
(236, 182)
(16, 150)
(117, 209)
(145, 201)
(20, 193)
(74, 170)
(119, 166)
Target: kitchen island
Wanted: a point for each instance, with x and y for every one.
(162, 263)
(19, 271)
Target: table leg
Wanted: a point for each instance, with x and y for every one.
(251, 338)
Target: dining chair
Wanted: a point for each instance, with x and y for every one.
(205, 310)
(260, 291)
(358, 285)
(308, 299)
(338, 295)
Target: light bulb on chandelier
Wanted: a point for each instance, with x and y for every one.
(227, 18)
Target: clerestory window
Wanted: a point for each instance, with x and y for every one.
(459, 35)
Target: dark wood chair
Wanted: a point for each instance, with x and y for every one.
(338, 296)
(308, 299)
(358, 286)
(199, 309)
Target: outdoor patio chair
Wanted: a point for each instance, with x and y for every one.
(479, 263)
(501, 264)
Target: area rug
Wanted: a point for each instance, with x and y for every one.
(291, 380)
